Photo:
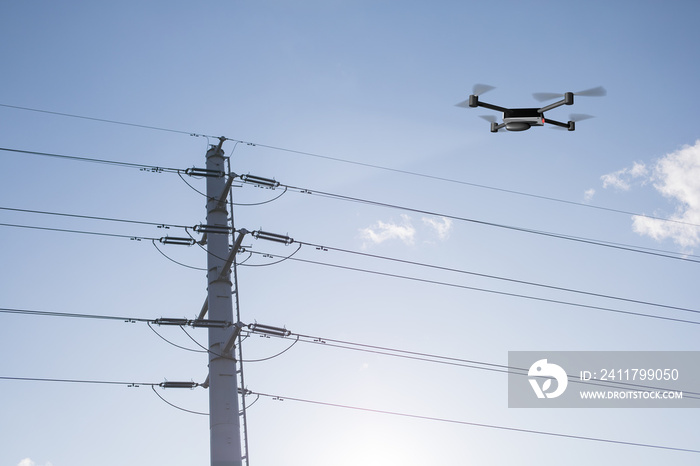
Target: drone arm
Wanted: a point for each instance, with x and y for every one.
(567, 100)
(570, 125)
(492, 107)
(475, 102)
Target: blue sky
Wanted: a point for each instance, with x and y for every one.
(327, 91)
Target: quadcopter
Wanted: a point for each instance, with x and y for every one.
(521, 119)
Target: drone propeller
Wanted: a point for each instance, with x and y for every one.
(575, 117)
(592, 92)
(493, 120)
(579, 117)
(479, 89)
(489, 118)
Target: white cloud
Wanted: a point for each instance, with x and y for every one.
(442, 226)
(677, 177)
(588, 194)
(29, 462)
(404, 230)
(383, 231)
(622, 179)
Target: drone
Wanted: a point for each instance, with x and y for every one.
(521, 119)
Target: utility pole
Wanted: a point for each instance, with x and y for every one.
(224, 424)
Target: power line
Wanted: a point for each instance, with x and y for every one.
(176, 406)
(177, 262)
(175, 344)
(142, 167)
(477, 424)
(485, 290)
(92, 217)
(160, 321)
(496, 277)
(327, 342)
(109, 382)
(62, 230)
(356, 408)
(656, 252)
(290, 257)
(104, 120)
(620, 246)
(8, 310)
(79, 381)
(452, 361)
(461, 182)
(351, 162)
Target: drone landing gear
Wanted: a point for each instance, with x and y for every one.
(495, 126)
(570, 125)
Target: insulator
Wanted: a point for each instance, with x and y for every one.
(178, 384)
(176, 240)
(272, 237)
(204, 172)
(277, 331)
(170, 321)
(210, 323)
(259, 180)
(212, 229)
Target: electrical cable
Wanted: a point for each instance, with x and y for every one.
(678, 256)
(334, 343)
(284, 258)
(466, 183)
(62, 230)
(174, 344)
(101, 382)
(92, 217)
(252, 402)
(260, 203)
(459, 362)
(503, 293)
(318, 246)
(496, 277)
(192, 187)
(7, 310)
(175, 406)
(363, 164)
(276, 355)
(103, 120)
(655, 252)
(478, 424)
(142, 167)
(204, 348)
(173, 260)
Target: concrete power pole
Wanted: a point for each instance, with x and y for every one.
(224, 424)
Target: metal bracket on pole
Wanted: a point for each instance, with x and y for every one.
(205, 308)
(228, 347)
(224, 271)
(232, 255)
(226, 190)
